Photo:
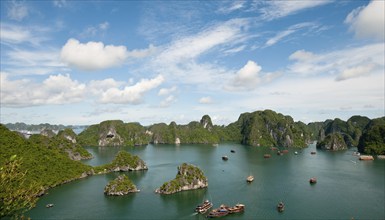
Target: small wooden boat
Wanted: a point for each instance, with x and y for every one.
(274, 148)
(204, 207)
(366, 157)
(313, 152)
(225, 158)
(50, 205)
(285, 151)
(279, 153)
(280, 207)
(232, 151)
(250, 179)
(223, 210)
(266, 155)
(313, 180)
(237, 208)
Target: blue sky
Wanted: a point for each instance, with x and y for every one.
(82, 62)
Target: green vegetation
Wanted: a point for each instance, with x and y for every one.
(123, 161)
(350, 131)
(16, 196)
(268, 128)
(188, 177)
(333, 141)
(122, 185)
(373, 138)
(114, 133)
(43, 164)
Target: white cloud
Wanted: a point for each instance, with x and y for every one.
(278, 9)
(140, 53)
(234, 6)
(17, 10)
(15, 34)
(368, 21)
(278, 37)
(92, 55)
(60, 3)
(165, 91)
(343, 64)
(56, 89)
(356, 71)
(97, 87)
(290, 30)
(206, 100)
(301, 55)
(94, 30)
(131, 94)
(167, 101)
(248, 76)
(193, 46)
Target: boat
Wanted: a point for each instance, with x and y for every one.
(285, 151)
(295, 152)
(232, 151)
(250, 179)
(50, 205)
(280, 207)
(223, 210)
(366, 157)
(237, 208)
(279, 153)
(266, 155)
(313, 152)
(225, 158)
(313, 180)
(204, 207)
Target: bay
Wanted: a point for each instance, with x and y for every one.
(346, 188)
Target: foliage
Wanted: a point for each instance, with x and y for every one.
(373, 138)
(47, 166)
(187, 175)
(333, 141)
(121, 184)
(268, 128)
(122, 159)
(16, 196)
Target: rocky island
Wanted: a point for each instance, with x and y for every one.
(188, 177)
(120, 186)
(124, 161)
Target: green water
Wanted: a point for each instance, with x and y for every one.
(346, 187)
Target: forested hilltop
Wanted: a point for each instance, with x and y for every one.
(259, 128)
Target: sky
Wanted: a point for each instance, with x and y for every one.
(83, 62)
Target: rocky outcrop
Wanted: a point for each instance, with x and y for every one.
(124, 161)
(268, 128)
(120, 186)
(189, 177)
(334, 142)
(74, 150)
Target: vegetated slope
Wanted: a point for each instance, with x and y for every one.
(268, 128)
(343, 134)
(45, 164)
(372, 140)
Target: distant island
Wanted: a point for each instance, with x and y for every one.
(188, 177)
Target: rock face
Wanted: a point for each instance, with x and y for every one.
(120, 186)
(334, 142)
(74, 150)
(189, 177)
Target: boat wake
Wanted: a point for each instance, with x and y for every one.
(195, 213)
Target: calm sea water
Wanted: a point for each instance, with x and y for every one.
(346, 188)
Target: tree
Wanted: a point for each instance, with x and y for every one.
(16, 197)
